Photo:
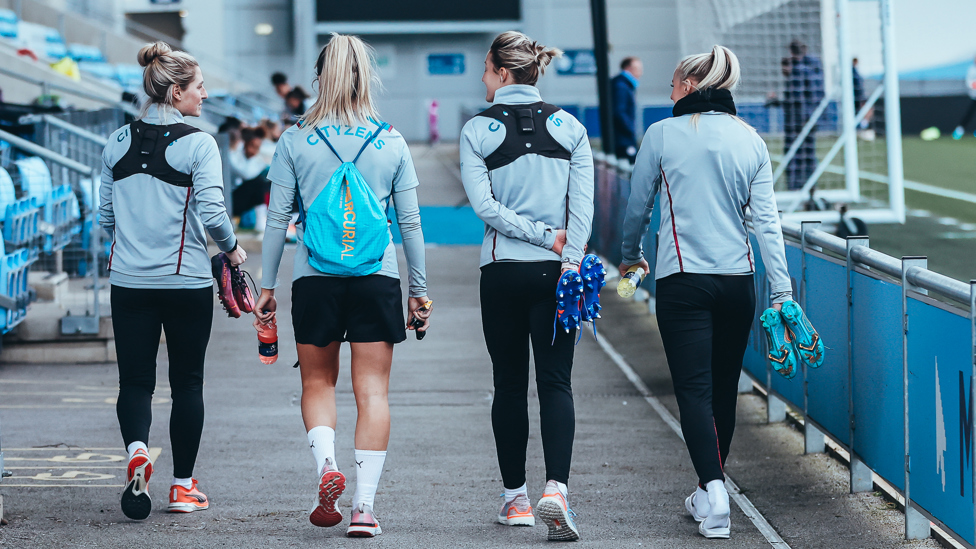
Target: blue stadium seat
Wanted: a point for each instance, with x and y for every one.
(59, 205)
(8, 24)
(13, 284)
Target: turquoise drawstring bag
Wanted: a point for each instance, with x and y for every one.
(346, 229)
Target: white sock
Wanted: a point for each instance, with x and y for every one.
(137, 445)
(563, 489)
(321, 440)
(369, 467)
(512, 494)
(184, 482)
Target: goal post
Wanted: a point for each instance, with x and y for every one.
(833, 129)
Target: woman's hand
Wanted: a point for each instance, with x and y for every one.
(237, 256)
(264, 309)
(415, 310)
(560, 242)
(642, 264)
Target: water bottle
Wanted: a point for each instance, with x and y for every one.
(630, 282)
(268, 343)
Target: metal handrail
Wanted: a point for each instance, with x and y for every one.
(46, 84)
(66, 126)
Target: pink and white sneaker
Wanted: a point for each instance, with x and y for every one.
(363, 523)
(331, 485)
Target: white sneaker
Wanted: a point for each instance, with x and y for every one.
(697, 504)
(717, 525)
(517, 512)
(555, 512)
(364, 523)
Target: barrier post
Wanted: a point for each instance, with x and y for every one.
(814, 441)
(861, 479)
(972, 322)
(916, 525)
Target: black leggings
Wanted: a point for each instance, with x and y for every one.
(970, 111)
(518, 304)
(138, 316)
(705, 322)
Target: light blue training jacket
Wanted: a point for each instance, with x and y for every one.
(158, 230)
(523, 203)
(302, 161)
(707, 176)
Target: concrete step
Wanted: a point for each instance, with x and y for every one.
(58, 352)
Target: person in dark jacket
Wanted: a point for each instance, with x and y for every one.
(625, 107)
(804, 91)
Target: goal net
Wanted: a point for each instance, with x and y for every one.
(803, 91)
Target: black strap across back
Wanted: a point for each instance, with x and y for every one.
(525, 133)
(147, 153)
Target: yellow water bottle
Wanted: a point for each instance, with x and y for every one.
(631, 281)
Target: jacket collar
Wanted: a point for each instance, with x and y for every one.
(517, 94)
(630, 78)
(162, 115)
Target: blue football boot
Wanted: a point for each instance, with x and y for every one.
(594, 274)
(568, 293)
(781, 354)
(806, 341)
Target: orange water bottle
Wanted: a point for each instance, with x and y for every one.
(268, 343)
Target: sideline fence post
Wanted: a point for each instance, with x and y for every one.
(813, 438)
(972, 322)
(861, 480)
(916, 525)
(775, 408)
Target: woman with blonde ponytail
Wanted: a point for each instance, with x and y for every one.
(527, 169)
(328, 305)
(709, 166)
(161, 194)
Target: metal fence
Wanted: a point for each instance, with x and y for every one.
(896, 389)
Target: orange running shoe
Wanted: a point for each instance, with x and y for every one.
(331, 485)
(182, 500)
(517, 512)
(135, 497)
(554, 510)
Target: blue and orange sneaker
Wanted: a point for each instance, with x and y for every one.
(568, 294)
(554, 510)
(781, 354)
(136, 503)
(594, 274)
(806, 341)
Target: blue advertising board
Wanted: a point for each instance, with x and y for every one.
(445, 64)
(940, 412)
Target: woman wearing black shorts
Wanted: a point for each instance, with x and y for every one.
(367, 310)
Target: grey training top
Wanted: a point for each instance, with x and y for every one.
(158, 229)
(524, 202)
(707, 176)
(301, 158)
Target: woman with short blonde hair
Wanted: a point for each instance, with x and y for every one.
(329, 307)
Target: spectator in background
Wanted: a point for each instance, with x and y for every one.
(280, 83)
(295, 103)
(232, 127)
(251, 185)
(971, 90)
(864, 130)
(625, 107)
(804, 91)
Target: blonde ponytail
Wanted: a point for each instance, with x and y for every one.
(346, 77)
(718, 68)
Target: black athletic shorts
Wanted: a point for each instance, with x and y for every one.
(359, 309)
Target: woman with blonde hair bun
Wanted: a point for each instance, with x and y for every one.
(527, 169)
(329, 303)
(161, 194)
(708, 166)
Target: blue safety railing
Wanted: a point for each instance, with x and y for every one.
(896, 389)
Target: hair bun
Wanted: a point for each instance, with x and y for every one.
(148, 53)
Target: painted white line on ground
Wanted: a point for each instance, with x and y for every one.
(737, 496)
